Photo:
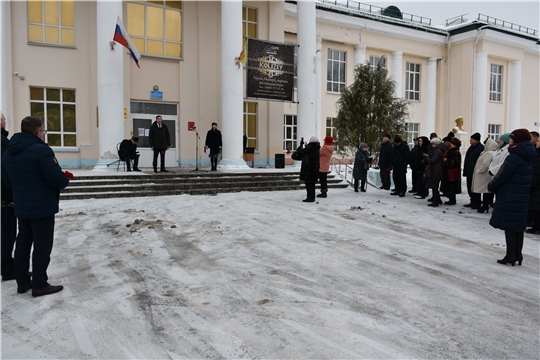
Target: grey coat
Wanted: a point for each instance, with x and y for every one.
(434, 159)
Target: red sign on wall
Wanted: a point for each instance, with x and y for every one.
(191, 125)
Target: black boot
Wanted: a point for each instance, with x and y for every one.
(519, 248)
(483, 208)
(323, 193)
(511, 244)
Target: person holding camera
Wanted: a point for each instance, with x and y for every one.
(309, 171)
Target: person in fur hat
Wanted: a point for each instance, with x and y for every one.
(325, 154)
(309, 171)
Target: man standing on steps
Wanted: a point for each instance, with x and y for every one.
(213, 142)
(160, 141)
(36, 179)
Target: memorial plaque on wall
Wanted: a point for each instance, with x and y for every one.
(270, 70)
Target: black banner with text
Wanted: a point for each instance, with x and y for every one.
(270, 70)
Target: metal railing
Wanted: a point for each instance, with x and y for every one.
(375, 10)
(456, 20)
(506, 24)
(345, 171)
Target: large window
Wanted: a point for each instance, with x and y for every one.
(249, 22)
(156, 27)
(412, 81)
(413, 131)
(250, 123)
(374, 62)
(51, 22)
(495, 83)
(290, 133)
(494, 131)
(331, 131)
(57, 108)
(335, 71)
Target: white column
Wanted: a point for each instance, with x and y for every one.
(318, 128)
(397, 70)
(480, 93)
(307, 77)
(231, 86)
(431, 95)
(110, 83)
(5, 73)
(359, 54)
(515, 96)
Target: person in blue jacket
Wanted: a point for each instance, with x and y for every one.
(34, 176)
(512, 186)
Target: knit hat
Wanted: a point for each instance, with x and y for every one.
(456, 142)
(387, 136)
(135, 138)
(505, 138)
(520, 135)
(363, 146)
(397, 139)
(433, 135)
(328, 140)
(435, 141)
(451, 134)
(476, 136)
(313, 139)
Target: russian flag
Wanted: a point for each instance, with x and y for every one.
(121, 36)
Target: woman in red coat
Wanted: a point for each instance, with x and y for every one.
(325, 154)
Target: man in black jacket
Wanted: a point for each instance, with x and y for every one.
(400, 159)
(213, 142)
(471, 157)
(128, 152)
(160, 141)
(385, 161)
(412, 158)
(9, 221)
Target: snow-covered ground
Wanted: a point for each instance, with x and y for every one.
(264, 275)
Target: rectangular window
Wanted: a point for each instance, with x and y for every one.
(412, 81)
(156, 27)
(413, 131)
(374, 62)
(495, 83)
(57, 109)
(250, 123)
(335, 71)
(494, 131)
(331, 131)
(51, 22)
(249, 22)
(290, 133)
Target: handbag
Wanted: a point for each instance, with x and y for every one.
(427, 172)
(453, 174)
(296, 156)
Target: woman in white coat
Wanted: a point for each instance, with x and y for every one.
(481, 176)
(500, 154)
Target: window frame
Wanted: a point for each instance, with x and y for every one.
(413, 79)
(495, 79)
(294, 131)
(61, 102)
(331, 131)
(246, 22)
(342, 66)
(44, 25)
(412, 133)
(245, 115)
(374, 62)
(494, 131)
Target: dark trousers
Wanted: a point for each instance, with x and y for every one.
(514, 244)
(135, 162)
(9, 233)
(436, 198)
(487, 199)
(214, 161)
(323, 178)
(421, 184)
(400, 180)
(385, 178)
(451, 198)
(160, 152)
(362, 184)
(536, 219)
(475, 197)
(40, 233)
(310, 189)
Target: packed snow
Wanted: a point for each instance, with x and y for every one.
(264, 275)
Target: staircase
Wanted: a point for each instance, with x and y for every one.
(176, 183)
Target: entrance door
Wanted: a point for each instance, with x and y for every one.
(143, 114)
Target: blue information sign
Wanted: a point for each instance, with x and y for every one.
(156, 95)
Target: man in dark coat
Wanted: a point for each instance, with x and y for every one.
(9, 221)
(309, 172)
(534, 197)
(512, 186)
(160, 141)
(128, 152)
(385, 161)
(471, 157)
(412, 158)
(35, 178)
(400, 160)
(214, 143)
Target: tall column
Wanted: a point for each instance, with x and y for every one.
(110, 83)
(480, 93)
(318, 95)
(307, 77)
(5, 73)
(231, 86)
(431, 95)
(397, 70)
(515, 96)
(359, 54)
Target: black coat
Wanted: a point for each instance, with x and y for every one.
(419, 159)
(213, 141)
(7, 195)
(512, 186)
(472, 155)
(359, 169)
(434, 159)
(159, 138)
(385, 155)
(127, 150)
(309, 172)
(534, 198)
(412, 157)
(400, 156)
(453, 161)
